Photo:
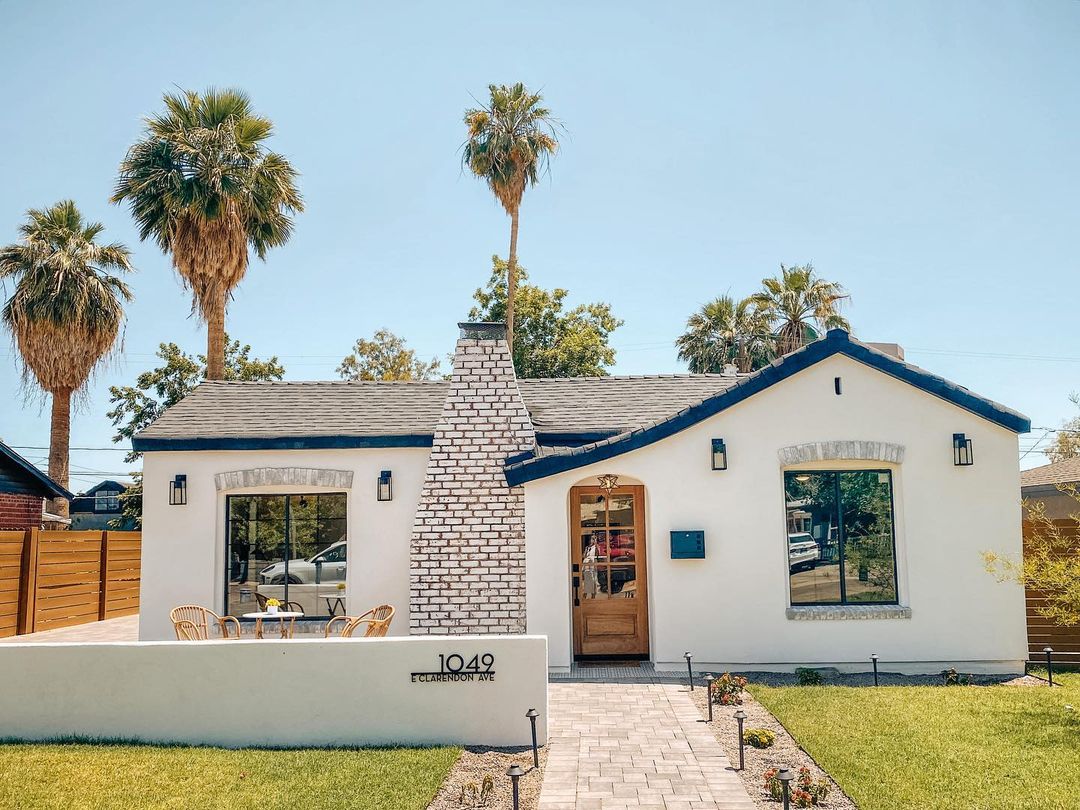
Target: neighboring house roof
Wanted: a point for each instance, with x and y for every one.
(86, 501)
(1060, 472)
(266, 415)
(16, 471)
(531, 466)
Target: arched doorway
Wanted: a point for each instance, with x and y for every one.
(608, 570)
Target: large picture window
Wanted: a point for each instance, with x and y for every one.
(286, 547)
(840, 537)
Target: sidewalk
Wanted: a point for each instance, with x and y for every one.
(125, 628)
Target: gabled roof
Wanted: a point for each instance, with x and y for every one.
(27, 472)
(1060, 472)
(532, 466)
(108, 484)
(336, 413)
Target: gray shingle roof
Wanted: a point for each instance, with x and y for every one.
(1060, 472)
(270, 410)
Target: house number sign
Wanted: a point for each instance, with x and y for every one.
(456, 667)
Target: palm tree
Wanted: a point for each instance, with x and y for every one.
(802, 304)
(725, 331)
(510, 142)
(203, 185)
(65, 313)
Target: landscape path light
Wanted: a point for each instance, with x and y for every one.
(873, 659)
(515, 773)
(1049, 664)
(532, 714)
(785, 776)
(740, 717)
(689, 669)
(708, 693)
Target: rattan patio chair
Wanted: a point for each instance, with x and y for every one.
(201, 618)
(186, 630)
(288, 607)
(377, 620)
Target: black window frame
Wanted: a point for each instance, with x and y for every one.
(287, 540)
(842, 537)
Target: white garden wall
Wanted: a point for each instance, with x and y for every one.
(183, 559)
(278, 693)
(729, 609)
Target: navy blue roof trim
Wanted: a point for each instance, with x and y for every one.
(51, 487)
(837, 341)
(143, 445)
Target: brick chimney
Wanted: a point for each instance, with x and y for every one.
(468, 541)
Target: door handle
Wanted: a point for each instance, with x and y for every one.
(577, 582)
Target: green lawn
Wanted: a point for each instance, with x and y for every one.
(941, 747)
(142, 776)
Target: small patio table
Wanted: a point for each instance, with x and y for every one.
(334, 604)
(282, 615)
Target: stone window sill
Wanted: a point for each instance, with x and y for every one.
(846, 612)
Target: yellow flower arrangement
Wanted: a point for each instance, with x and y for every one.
(273, 603)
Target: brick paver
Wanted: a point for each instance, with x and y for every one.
(614, 746)
(125, 628)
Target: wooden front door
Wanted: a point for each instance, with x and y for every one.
(608, 573)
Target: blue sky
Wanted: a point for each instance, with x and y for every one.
(922, 154)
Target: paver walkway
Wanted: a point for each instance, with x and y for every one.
(126, 628)
(634, 745)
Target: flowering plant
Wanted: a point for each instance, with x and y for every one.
(806, 792)
(273, 603)
(341, 586)
(727, 689)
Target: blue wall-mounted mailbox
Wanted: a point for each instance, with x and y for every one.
(688, 545)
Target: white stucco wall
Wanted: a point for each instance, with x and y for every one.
(730, 608)
(210, 692)
(183, 558)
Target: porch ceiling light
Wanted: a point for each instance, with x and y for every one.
(386, 486)
(719, 454)
(178, 491)
(961, 449)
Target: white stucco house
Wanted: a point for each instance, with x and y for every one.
(827, 507)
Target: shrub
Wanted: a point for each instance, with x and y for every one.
(808, 677)
(805, 790)
(727, 689)
(954, 678)
(759, 737)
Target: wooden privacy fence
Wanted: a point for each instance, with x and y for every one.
(1043, 632)
(52, 579)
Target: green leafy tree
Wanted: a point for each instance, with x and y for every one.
(1067, 441)
(549, 341)
(727, 331)
(202, 184)
(801, 306)
(65, 313)
(1050, 564)
(386, 357)
(136, 406)
(510, 142)
(130, 506)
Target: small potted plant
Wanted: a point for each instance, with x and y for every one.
(272, 606)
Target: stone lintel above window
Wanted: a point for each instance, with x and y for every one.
(844, 612)
(841, 450)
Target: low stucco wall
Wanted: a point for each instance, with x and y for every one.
(277, 693)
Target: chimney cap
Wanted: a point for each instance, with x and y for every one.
(482, 330)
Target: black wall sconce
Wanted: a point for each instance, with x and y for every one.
(719, 454)
(961, 450)
(386, 486)
(178, 491)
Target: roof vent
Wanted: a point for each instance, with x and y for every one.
(729, 370)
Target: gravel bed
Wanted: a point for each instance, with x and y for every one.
(834, 677)
(785, 751)
(475, 763)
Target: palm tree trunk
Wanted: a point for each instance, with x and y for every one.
(59, 439)
(215, 336)
(511, 280)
